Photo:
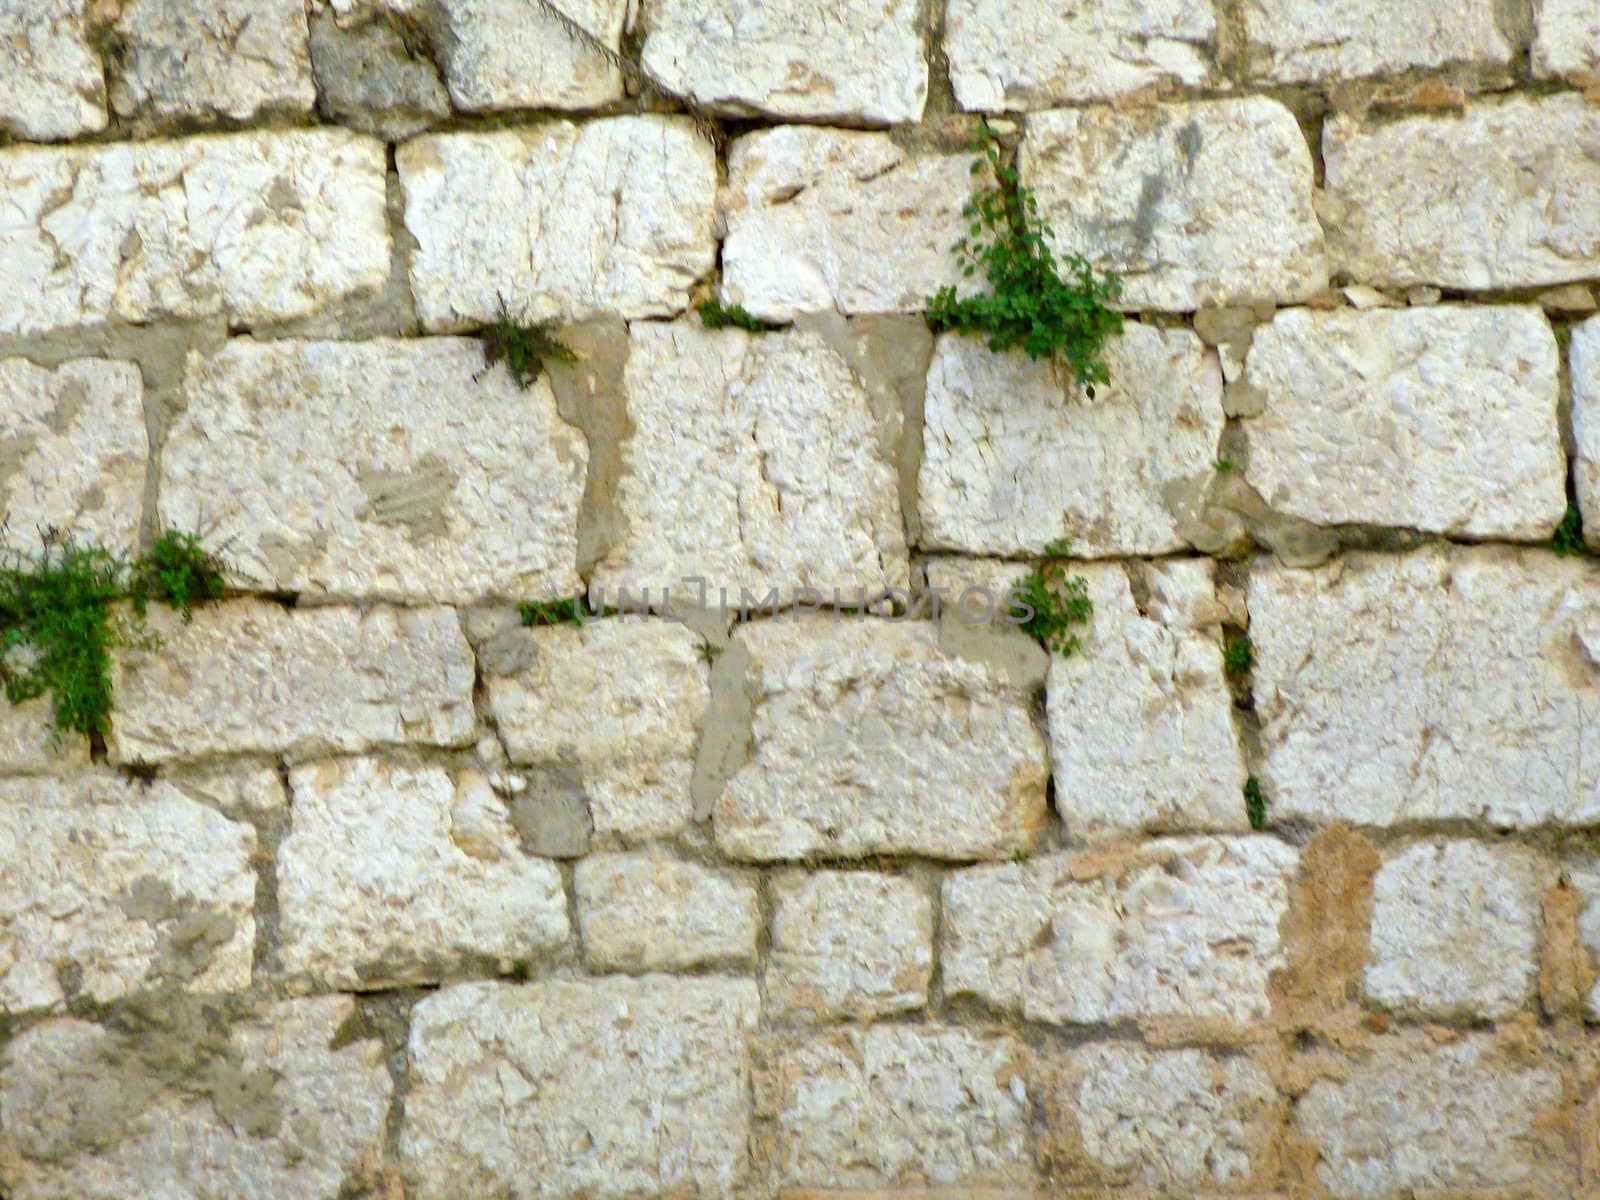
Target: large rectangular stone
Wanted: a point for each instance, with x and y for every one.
(866, 738)
(1440, 419)
(510, 54)
(395, 469)
(1311, 41)
(1567, 40)
(1501, 196)
(1583, 361)
(1014, 457)
(1181, 929)
(1476, 673)
(1155, 195)
(112, 887)
(561, 221)
(52, 84)
(606, 1088)
(248, 676)
(646, 912)
(256, 227)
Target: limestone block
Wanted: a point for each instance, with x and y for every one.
(507, 54)
(52, 85)
(1584, 372)
(1307, 41)
(644, 912)
(1568, 38)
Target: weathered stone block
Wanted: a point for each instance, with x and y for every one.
(398, 875)
(1141, 719)
(820, 219)
(72, 453)
(1439, 419)
(1455, 930)
(865, 738)
(754, 462)
(1568, 38)
(253, 677)
(113, 887)
(1476, 672)
(387, 468)
(368, 80)
(284, 1102)
(256, 226)
(1154, 194)
(31, 743)
(832, 60)
(51, 82)
(1183, 928)
(1310, 42)
(848, 944)
(563, 221)
(1015, 457)
(505, 54)
(895, 1104)
(1500, 197)
(642, 912)
(1006, 56)
(1584, 371)
(609, 1088)
(1584, 876)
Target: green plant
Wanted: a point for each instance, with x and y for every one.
(571, 611)
(179, 571)
(716, 315)
(1239, 657)
(1255, 804)
(1568, 539)
(1057, 601)
(523, 348)
(1225, 466)
(1052, 310)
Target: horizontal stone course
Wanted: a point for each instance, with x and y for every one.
(1348, 39)
(52, 84)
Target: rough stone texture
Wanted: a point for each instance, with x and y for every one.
(1169, 1120)
(369, 81)
(113, 887)
(1007, 56)
(1141, 719)
(282, 1103)
(1585, 878)
(1568, 38)
(1477, 674)
(755, 461)
(505, 54)
(394, 875)
(831, 60)
(72, 452)
(641, 912)
(605, 1088)
(385, 468)
(51, 82)
(1438, 419)
(218, 60)
(848, 944)
(1455, 930)
(1414, 1115)
(895, 1105)
(1015, 457)
(31, 743)
(819, 219)
(1584, 363)
(1347, 39)
(1183, 928)
(253, 677)
(1500, 197)
(609, 711)
(256, 226)
(1154, 194)
(865, 738)
(563, 221)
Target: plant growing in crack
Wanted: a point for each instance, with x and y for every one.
(1051, 604)
(1568, 539)
(1239, 657)
(716, 315)
(1255, 804)
(523, 348)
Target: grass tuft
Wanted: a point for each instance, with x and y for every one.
(716, 315)
(525, 349)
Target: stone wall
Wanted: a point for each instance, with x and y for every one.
(373, 891)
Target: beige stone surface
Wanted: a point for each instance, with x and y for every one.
(606, 1088)
(508, 54)
(647, 912)
(1182, 928)
(1455, 930)
(832, 60)
(249, 676)
(52, 85)
(865, 738)
(561, 221)
(1584, 876)
(31, 743)
(378, 884)
(72, 452)
(1141, 719)
(608, 710)
(398, 469)
(1476, 670)
(1584, 373)
(113, 887)
(895, 1104)
(1567, 38)
(277, 1103)
(1006, 56)
(1312, 41)
(1500, 197)
(220, 60)
(1440, 419)
(848, 944)
(755, 461)
(1015, 457)
(1154, 194)
(821, 219)
(1413, 1116)
(255, 226)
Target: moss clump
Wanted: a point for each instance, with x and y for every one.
(1239, 657)
(1255, 804)
(716, 315)
(179, 571)
(571, 611)
(1050, 603)
(1568, 539)
(523, 348)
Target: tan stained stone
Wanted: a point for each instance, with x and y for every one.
(644, 912)
(52, 85)
(1310, 41)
